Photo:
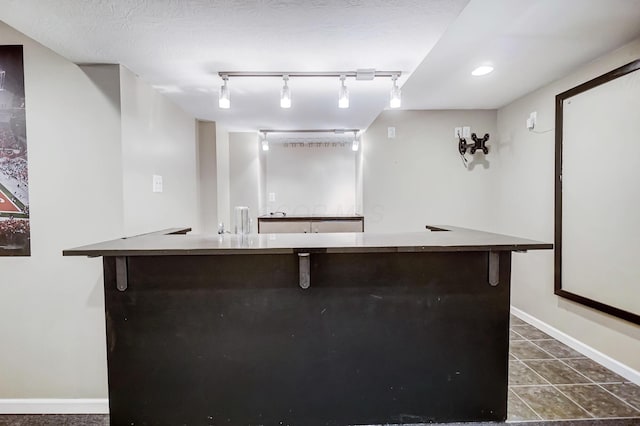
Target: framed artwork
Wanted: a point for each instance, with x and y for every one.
(15, 236)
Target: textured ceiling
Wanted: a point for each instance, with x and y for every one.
(180, 45)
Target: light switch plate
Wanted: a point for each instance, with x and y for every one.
(457, 132)
(157, 183)
(272, 196)
(466, 132)
(391, 132)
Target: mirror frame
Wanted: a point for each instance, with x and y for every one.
(558, 290)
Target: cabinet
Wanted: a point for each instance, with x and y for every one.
(283, 226)
(336, 226)
(277, 225)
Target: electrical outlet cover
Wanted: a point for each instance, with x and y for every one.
(466, 132)
(391, 132)
(457, 132)
(530, 123)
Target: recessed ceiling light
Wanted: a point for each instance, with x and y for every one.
(482, 70)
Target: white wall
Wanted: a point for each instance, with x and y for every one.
(244, 175)
(207, 176)
(418, 178)
(96, 135)
(525, 207)
(311, 179)
(222, 176)
(359, 179)
(158, 138)
(51, 307)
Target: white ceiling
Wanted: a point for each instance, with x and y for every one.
(179, 46)
(529, 42)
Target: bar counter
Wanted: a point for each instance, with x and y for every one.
(307, 329)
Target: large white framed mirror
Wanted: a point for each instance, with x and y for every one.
(597, 193)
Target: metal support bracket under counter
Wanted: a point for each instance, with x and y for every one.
(122, 274)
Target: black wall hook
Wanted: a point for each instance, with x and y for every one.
(478, 144)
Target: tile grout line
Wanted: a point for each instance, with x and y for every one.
(537, 374)
(592, 382)
(541, 385)
(608, 391)
(552, 386)
(525, 403)
(554, 358)
(579, 372)
(555, 420)
(512, 330)
(518, 396)
(580, 406)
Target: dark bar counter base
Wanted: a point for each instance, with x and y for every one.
(377, 338)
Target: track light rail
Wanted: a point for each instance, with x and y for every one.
(281, 74)
(335, 131)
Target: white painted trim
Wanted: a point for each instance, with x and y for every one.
(54, 406)
(612, 364)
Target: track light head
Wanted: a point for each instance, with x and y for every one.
(343, 94)
(355, 145)
(395, 98)
(285, 94)
(224, 97)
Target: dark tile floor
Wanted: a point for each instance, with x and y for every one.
(549, 384)
(550, 381)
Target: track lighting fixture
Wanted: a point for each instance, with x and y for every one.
(356, 142)
(224, 100)
(395, 100)
(343, 94)
(285, 93)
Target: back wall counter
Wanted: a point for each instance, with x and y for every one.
(271, 224)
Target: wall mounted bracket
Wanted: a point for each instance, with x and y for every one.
(479, 144)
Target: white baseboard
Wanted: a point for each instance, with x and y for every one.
(54, 406)
(612, 364)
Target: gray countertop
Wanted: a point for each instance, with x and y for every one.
(167, 243)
